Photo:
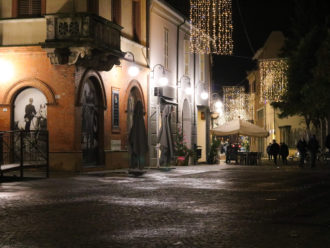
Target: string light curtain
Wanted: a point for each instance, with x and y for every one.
(211, 27)
(273, 79)
(236, 103)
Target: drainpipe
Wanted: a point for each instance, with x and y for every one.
(148, 30)
(195, 90)
(177, 68)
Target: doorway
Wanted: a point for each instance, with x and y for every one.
(91, 124)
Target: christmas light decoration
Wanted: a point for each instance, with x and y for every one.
(236, 103)
(211, 27)
(273, 79)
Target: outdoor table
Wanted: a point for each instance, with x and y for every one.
(248, 158)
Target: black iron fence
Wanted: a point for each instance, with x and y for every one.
(20, 150)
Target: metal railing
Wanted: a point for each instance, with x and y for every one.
(20, 150)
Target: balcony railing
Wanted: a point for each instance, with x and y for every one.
(79, 37)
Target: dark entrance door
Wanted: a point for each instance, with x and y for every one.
(90, 125)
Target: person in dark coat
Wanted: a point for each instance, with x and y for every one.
(229, 150)
(30, 112)
(284, 152)
(313, 147)
(268, 152)
(275, 150)
(138, 140)
(302, 149)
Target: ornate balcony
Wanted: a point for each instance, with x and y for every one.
(82, 39)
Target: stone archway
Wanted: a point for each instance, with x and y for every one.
(29, 110)
(133, 97)
(91, 122)
(186, 122)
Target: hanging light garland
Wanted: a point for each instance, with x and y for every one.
(273, 79)
(236, 103)
(211, 27)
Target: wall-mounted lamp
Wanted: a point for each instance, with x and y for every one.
(162, 80)
(6, 71)
(204, 94)
(186, 80)
(133, 70)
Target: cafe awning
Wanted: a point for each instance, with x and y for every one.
(240, 127)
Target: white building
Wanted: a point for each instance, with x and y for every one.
(188, 77)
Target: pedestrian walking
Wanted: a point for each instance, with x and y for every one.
(268, 151)
(284, 152)
(313, 147)
(275, 150)
(302, 149)
(229, 150)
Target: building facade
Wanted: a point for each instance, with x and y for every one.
(66, 67)
(188, 77)
(69, 61)
(266, 79)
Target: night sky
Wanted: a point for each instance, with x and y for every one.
(258, 18)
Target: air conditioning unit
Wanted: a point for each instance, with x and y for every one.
(166, 91)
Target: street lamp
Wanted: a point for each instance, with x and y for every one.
(216, 110)
(162, 80)
(185, 79)
(133, 70)
(204, 94)
(6, 71)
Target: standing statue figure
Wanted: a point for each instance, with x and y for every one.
(30, 112)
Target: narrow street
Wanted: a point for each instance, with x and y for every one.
(193, 206)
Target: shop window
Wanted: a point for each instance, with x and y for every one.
(116, 11)
(136, 18)
(28, 8)
(115, 109)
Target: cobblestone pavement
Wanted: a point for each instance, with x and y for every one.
(194, 206)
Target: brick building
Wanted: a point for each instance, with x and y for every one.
(69, 60)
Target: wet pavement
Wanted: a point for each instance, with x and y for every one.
(193, 206)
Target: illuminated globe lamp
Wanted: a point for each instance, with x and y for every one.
(133, 70)
(6, 71)
(204, 95)
(163, 81)
(188, 90)
(218, 105)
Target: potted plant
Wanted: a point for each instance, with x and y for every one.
(213, 153)
(182, 152)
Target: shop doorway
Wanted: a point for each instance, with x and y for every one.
(91, 125)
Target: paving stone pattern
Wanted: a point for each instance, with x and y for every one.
(194, 206)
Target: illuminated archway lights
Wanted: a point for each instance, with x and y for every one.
(211, 27)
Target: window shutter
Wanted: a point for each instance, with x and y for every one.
(29, 8)
(116, 11)
(36, 7)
